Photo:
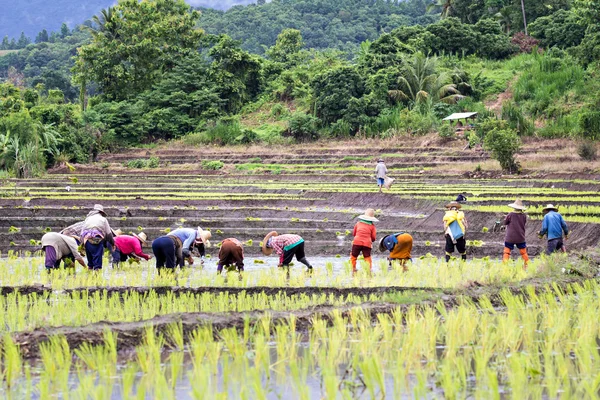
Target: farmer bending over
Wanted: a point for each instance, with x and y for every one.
(231, 253)
(286, 246)
(364, 235)
(455, 227)
(190, 239)
(553, 225)
(96, 234)
(515, 232)
(129, 247)
(57, 248)
(400, 247)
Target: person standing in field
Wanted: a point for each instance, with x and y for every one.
(554, 226)
(127, 246)
(365, 234)
(286, 246)
(231, 253)
(400, 247)
(96, 234)
(381, 172)
(455, 227)
(58, 247)
(515, 232)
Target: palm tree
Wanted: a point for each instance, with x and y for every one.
(443, 7)
(105, 23)
(504, 17)
(420, 82)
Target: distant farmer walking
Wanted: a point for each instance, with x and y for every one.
(95, 234)
(400, 247)
(57, 248)
(554, 226)
(127, 246)
(364, 235)
(381, 172)
(231, 253)
(515, 232)
(455, 227)
(286, 246)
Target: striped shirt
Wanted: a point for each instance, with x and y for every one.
(74, 230)
(283, 243)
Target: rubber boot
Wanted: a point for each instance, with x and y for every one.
(369, 261)
(525, 257)
(447, 258)
(506, 255)
(464, 257)
(353, 262)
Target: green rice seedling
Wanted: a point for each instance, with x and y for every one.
(12, 361)
(294, 219)
(249, 243)
(484, 229)
(219, 232)
(257, 261)
(13, 229)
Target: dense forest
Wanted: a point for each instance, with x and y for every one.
(301, 70)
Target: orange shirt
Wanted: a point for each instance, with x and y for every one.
(364, 234)
(404, 247)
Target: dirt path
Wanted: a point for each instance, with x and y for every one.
(495, 105)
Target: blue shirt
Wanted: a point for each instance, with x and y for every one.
(186, 235)
(554, 225)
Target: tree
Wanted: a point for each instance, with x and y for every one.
(42, 36)
(64, 30)
(289, 43)
(134, 43)
(334, 90)
(503, 144)
(23, 41)
(420, 82)
(589, 10)
(561, 29)
(5, 44)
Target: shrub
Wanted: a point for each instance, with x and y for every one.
(590, 124)
(587, 150)
(303, 126)
(516, 119)
(212, 165)
(446, 132)
(504, 144)
(525, 43)
(138, 163)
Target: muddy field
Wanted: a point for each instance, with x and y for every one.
(317, 192)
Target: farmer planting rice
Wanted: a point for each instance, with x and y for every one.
(165, 249)
(129, 246)
(515, 232)
(554, 226)
(190, 239)
(381, 172)
(231, 253)
(58, 247)
(74, 230)
(96, 234)
(455, 227)
(400, 247)
(365, 234)
(286, 246)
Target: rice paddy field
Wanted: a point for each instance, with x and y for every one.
(478, 329)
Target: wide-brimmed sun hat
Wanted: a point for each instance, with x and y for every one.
(454, 204)
(382, 247)
(267, 251)
(98, 207)
(369, 216)
(203, 236)
(518, 205)
(380, 160)
(550, 207)
(117, 232)
(142, 237)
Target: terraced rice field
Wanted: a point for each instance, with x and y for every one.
(479, 329)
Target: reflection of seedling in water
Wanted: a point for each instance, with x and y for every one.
(249, 243)
(13, 229)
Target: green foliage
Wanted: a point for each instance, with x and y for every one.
(303, 127)
(334, 90)
(590, 124)
(587, 150)
(503, 144)
(152, 162)
(513, 114)
(212, 165)
(446, 132)
(561, 29)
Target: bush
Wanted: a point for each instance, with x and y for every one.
(516, 119)
(587, 150)
(212, 165)
(138, 163)
(525, 43)
(590, 124)
(303, 126)
(504, 144)
(446, 132)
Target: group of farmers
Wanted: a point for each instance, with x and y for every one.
(94, 234)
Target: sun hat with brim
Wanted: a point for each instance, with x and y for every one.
(142, 237)
(455, 204)
(117, 232)
(368, 216)
(382, 247)
(518, 205)
(99, 208)
(267, 251)
(550, 207)
(203, 236)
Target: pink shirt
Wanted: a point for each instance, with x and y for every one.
(130, 245)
